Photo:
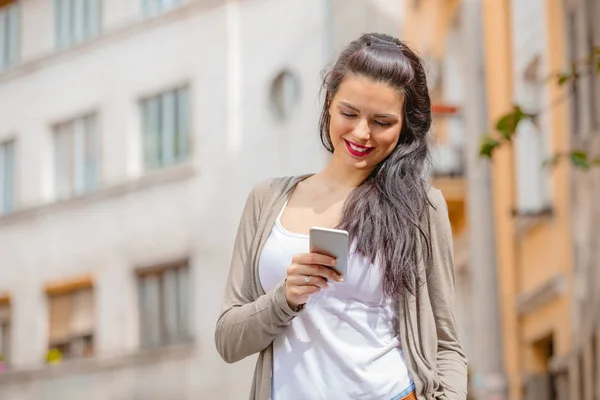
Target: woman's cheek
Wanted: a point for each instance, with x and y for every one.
(340, 127)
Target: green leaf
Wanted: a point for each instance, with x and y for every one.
(488, 145)
(580, 159)
(551, 162)
(507, 124)
(564, 77)
(595, 162)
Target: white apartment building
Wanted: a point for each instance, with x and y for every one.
(131, 132)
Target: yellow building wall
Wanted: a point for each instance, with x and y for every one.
(540, 255)
(427, 23)
(529, 252)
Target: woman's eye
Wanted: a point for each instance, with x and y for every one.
(349, 115)
(380, 123)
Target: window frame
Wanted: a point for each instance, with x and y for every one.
(70, 290)
(533, 140)
(151, 8)
(80, 172)
(584, 101)
(76, 29)
(8, 176)
(6, 323)
(10, 40)
(162, 145)
(592, 11)
(180, 322)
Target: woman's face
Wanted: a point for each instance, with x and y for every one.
(366, 120)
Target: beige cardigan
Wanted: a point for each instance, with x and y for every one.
(251, 318)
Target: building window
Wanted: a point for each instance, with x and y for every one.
(154, 7)
(7, 176)
(164, 298)
(583, 36)
(592, 11)
(4, 333)
(165, 124)
(76, 21)
(532, 144)
(71, 314)
(9, 35)
(76, 157)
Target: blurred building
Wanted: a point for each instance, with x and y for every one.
(130, 134)
(433, 29)
(545, 221)
(581, 28)
(544, 217)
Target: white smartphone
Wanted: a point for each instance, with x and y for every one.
(333, 243)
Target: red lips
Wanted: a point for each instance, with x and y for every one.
(362, 153)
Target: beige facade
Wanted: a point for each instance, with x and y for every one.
(545, 220)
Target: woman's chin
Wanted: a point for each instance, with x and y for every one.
(351, 162)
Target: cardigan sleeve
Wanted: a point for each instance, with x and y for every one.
(451, 362)
(247, 325)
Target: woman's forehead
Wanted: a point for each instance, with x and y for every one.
(365, 93)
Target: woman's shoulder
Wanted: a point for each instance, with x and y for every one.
(276, 186)
(436, 199)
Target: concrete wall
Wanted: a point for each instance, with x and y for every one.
(352, 18)
(138, 218)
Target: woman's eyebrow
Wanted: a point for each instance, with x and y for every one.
(349, 106)
(386, 116)
(344, 103)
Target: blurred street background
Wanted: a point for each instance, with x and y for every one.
(131, 132)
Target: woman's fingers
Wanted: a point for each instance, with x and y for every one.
(314, 258)
(314, 264)
(308, 274)
(307, 280)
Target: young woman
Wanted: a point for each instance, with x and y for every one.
(386, 330)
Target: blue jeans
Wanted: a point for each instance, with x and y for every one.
(404, 393)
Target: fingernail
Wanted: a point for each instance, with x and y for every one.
(340, 279)
(333, 263)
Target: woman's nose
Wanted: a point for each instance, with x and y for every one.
(362, 130)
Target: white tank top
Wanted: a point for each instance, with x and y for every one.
(344, 344)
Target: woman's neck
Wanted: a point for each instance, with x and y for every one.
(341, 178)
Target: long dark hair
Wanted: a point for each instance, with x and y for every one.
(388, 213)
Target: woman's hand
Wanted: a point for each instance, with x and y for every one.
(308, 274)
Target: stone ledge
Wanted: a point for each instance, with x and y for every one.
(542, 294)
(142, 357)
(150, 179)
(134, 26)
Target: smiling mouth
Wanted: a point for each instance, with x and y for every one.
(358, 150)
